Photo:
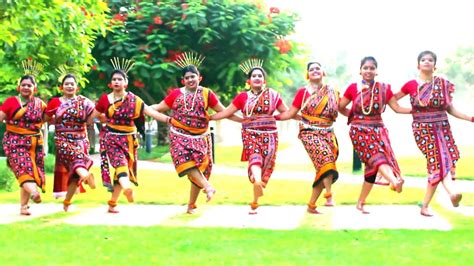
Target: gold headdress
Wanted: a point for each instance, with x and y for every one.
(31, 67)
(63, 70)
(189, 58)
(122, 64)
(247, 65)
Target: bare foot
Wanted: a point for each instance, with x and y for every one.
(210, 191)
(112, 210)
(191, 208)
(36, 197)
(398, 185)
(253, 208)
(128, 192)
(312, 209)
(360, 207)
(66, 204)
(426, 212)
(329, 202)
(24, 210)
(112, 204)
(455, 199)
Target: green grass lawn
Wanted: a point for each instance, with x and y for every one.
(53, 243)
(47, 241)
(57, 244)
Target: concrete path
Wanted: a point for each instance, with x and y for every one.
(268, 217)
(386, 217)
(443, 199)
(9, 213)
(129, 215)
(231, 216)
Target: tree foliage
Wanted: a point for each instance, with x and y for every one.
(52, 32)
(460, 68)
(154, 33)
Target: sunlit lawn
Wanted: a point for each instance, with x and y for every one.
(50, 242)
(175, 245)
(410, 165)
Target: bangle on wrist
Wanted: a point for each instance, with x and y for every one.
(472, 119)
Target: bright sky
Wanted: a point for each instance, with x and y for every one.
(394, 32)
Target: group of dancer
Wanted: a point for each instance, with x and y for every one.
(315, 106)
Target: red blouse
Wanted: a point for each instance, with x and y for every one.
(300, 94)
(241, 99)
(52, 106)
(351, 92)
(170, 98)
(11, 106)
(102, 104)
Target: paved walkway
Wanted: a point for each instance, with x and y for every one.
(231, 216)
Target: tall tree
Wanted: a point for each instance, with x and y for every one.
(227, 32)
(459, 68)
(52, 32)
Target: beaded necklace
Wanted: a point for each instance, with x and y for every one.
(371, 104)
(193, 103)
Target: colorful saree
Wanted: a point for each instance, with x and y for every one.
(72, 144)
(259, 132)
(118, 142)
(23, 141)
(318, 112)
(190, 141)
(368, 133)
(431, 128)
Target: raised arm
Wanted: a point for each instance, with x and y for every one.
(343, 106)
(396, 107)
(454, 112)
(230, 110)
(156, 115)
(220, 108)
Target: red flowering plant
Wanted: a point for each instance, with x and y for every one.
(284, 46)
(274, 10)
(219, 30)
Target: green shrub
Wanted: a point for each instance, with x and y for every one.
(7, 178)
(51, 144)
(49, 161)
(156, 153)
